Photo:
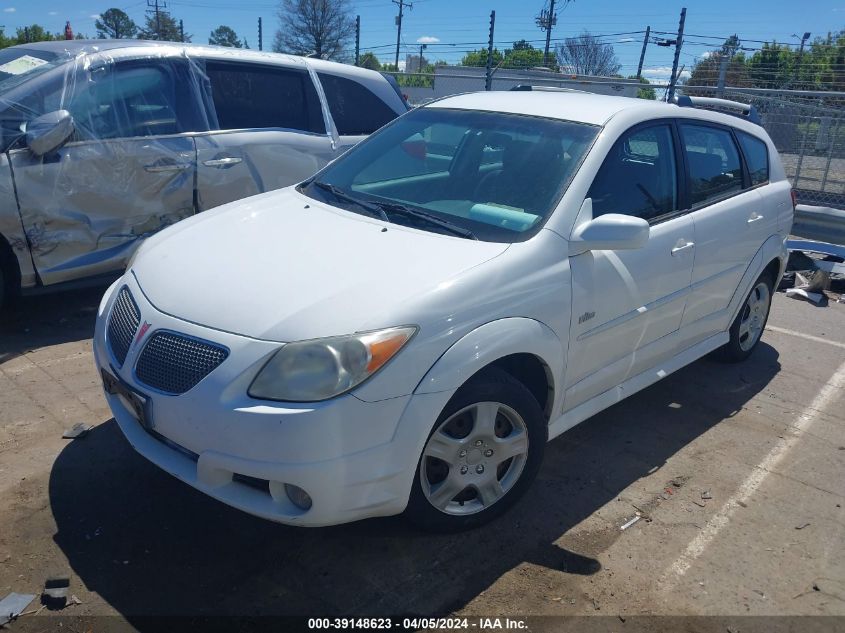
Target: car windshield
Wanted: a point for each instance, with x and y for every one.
(20, 64)
(486, 175)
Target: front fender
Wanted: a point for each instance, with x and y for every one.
(490, 342)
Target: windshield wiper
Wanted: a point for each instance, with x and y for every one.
(401, 209)
(340, 194)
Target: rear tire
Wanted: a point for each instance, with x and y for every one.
(481, 456)
(747, 328)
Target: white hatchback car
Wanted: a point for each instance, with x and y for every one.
(405, 330)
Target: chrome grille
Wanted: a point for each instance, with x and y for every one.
(123, 323)
(174, 363)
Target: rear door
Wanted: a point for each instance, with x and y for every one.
(627, 305)
(731, 223)
(272, 132)
(128, 173)
(356, 110)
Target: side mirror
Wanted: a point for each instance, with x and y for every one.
(612, 232)
(49, 132)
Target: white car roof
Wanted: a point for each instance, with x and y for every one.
(581, 107)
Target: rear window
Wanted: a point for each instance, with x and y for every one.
(255, 96)
(756, 157)
(354, 108)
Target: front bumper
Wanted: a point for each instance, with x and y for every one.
(355, 459)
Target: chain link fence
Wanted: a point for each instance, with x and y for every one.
(808, 129)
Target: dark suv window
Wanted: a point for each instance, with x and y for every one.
(256, 96)
(354, 108)
(714, 166)
(638, 177)
(756, 157)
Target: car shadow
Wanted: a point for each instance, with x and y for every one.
(40, 320)
(150, 545)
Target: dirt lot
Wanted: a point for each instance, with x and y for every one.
(737, 470)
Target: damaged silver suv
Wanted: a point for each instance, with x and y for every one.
(106, 142)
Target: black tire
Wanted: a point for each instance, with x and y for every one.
(497, 386)
(736, 349)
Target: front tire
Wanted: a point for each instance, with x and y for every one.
(749, 324)
(482, 455)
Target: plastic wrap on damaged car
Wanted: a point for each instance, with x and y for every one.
(126, 169)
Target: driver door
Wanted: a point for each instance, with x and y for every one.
(627, 305)
(127, 172)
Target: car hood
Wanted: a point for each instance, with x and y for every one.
(284, 267)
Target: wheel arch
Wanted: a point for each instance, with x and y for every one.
(771, 257)
(526, 349)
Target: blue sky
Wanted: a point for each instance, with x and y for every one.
(461, 25)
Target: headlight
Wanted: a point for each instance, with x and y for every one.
(309, 371)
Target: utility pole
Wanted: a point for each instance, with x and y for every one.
(728, 51)
(156, 6)
(642, 53)
(670, 94)
(181, 31)
(488, 82)
(260, 36)
(546, 20)
(357, 38)
(402, 4)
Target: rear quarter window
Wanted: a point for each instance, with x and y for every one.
(355, 109)
(756, 157)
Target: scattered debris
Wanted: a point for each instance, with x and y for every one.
(13, 605)
(55, 592)
(802, 526)
(706, 494)
(628, 524)
(78, 430)
(742, 504)
(699, 504)
(74, 600)
(621, 619)
(815, 297)
(596, 605)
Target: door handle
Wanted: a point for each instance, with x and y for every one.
(754, 217)
(222, 162)
(156, 168)
(683, 247)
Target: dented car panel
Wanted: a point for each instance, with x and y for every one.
(237, 164)
(105, 143)
(10, 225)
(85, 209)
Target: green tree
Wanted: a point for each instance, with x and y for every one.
(522, 55)
(114, 24)
(479, 58)
(225, 36)
(369, 60)
(164, 28)
(33, 33)
(646, 92)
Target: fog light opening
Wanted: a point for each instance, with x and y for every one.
(298, 497)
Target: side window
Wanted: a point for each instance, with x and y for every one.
(354, 108)
(714, 166)
(428, 152)
(131, 99)
(250, 96)
(638, 177)
(756, 156)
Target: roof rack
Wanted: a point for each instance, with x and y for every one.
(530, 88)
(734, 108)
